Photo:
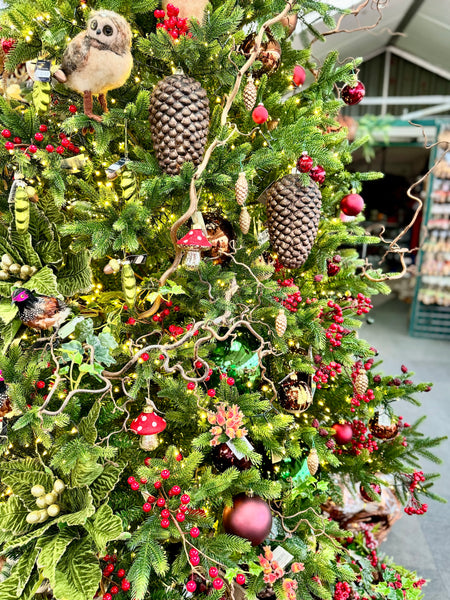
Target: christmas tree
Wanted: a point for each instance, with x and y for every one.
(187, 408)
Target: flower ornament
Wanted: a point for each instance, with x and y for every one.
(226, 420)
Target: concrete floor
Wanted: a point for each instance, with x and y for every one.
(420, 543)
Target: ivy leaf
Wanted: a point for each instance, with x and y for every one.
(104, 527)
(78, 573)
(13, 516)
(87, 424)
(70, 326)
(44, 282)
(106, 482)
(8, 311)
(52, 548)
(171, 288)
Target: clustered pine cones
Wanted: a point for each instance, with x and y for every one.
(179, 122)
(293, 213)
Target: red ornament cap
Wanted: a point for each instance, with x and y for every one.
(260, 114)
(194, 239)
(148, 423)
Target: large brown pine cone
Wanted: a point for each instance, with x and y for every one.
(179, 122)
(293, 213)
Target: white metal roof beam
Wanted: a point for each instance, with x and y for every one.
(420, 62)
(399, 100)
(424, 112)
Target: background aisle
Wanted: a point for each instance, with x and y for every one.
(423, 542)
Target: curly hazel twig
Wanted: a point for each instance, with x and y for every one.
(215, 144)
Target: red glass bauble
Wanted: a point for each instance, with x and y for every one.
(343, 433)
(304, 163)
(299, 76)
(249, 518)
(260, 114)
(318, 174)
(352, 205)
(353, 94)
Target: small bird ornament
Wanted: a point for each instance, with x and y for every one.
(98, 59)
(39, 312)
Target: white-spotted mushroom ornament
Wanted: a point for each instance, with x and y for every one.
(148, 424)
(194, 243)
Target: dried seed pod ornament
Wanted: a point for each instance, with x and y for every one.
(249, 94)
(361, 382)
(245, 220)
(241, 189)
(382, 427)
(313, 461)
(129, 284)
(281, 323)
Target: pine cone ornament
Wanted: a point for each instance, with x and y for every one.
(313, 461)
(361, 382)
(241, 189)
(281, 323)
(293, 213)
(179, 122)
(249, 94)
(244, 220)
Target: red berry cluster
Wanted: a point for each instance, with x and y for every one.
(324, 372)
(369, 539)
(361, 304)
(174, 26)
(414, 507)
(333, 267)
(342, 591)
(335, 331)
(39, 137)
(360, 440)
(108, 571)
(7, 44)
(165, 312)
(291, 301)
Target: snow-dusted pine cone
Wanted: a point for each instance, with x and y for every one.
(361, 382)
(179, 122)
(281, 323)
(293, 213)
(241, 189)
(245, 220)
(312, 461)
(249, 94)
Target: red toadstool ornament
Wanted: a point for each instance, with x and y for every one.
(148, 424)
(195, 242)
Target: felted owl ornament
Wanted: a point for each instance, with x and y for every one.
(98, 59)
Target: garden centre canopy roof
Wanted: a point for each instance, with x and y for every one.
(416, 32)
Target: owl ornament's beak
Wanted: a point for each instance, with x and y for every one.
(98, 32)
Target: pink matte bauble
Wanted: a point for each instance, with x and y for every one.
(299, 75)
(343, 433)
(248, 518)
(352, 205)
